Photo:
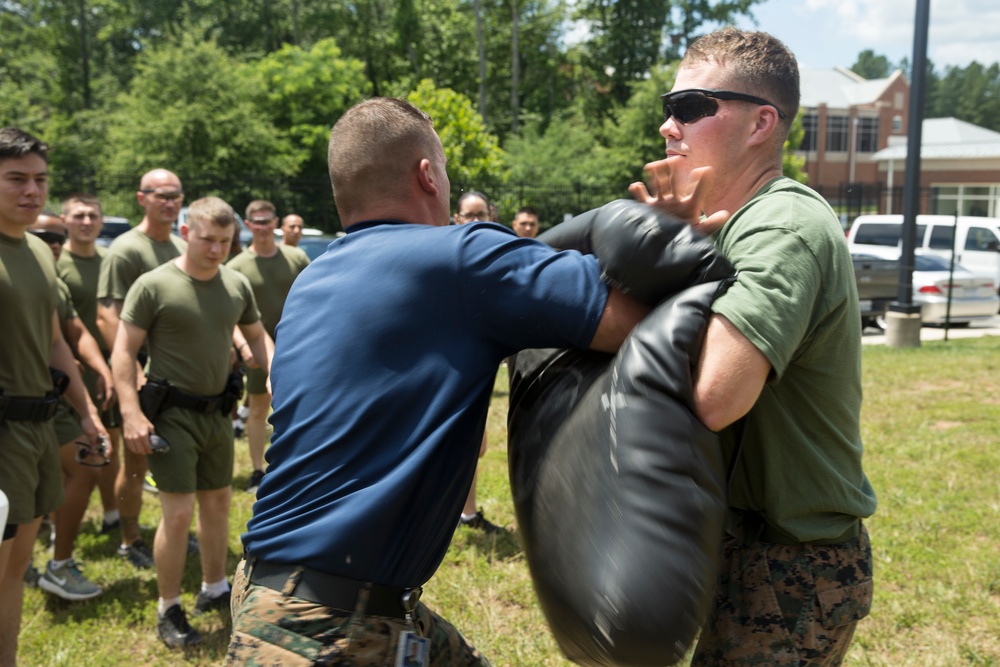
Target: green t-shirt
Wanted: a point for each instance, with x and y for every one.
(271, 278)
(81, 275)
(131, 255)
(189, 324)
(27, 300)
(64, 303)
(795, 299)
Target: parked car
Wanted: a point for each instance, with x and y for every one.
(113, 227)
(314, 246)
(976, 240)
(877, 279)
(972, 297)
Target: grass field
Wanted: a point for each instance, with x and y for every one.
(932, 435)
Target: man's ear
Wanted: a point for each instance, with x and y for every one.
(425, 177)
(184, 230)
(766, 124)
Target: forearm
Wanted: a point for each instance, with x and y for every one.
(124, 371)
(108, 313)
(61, 358)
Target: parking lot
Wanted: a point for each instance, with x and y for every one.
(990, 327)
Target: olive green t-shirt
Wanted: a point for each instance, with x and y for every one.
(64, 303)
(189, 324)
(795, 299)
(131, 255)
(270, 278)
(27, 300)
(81, 275)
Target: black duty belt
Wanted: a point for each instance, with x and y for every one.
(332, 591)
(203, 404)
(24, 409)
(750, 527)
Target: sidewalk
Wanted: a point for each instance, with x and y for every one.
(989, 327)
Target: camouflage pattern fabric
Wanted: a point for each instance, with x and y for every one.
(272, 628)
(780, 604)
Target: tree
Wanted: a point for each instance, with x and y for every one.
(871, 66)
(473, 153)
(195, 110)
(306, 91)
(971, 94)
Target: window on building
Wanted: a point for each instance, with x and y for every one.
(836, 134)
(810, 123)
(897, 123)
(975, 200)
(867, 135)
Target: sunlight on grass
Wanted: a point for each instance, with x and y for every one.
(931, 426)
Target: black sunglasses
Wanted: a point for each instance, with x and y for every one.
(690, 105)
(50, 238)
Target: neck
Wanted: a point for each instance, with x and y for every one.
(158, 231)
(81, 248)
(264, 247)
(195, 272)
(741, 190)
(12, 229)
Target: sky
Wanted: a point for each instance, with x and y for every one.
(828, 33)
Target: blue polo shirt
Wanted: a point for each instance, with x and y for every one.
(388, 347)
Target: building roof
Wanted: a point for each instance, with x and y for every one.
(840, 88)
(947, 138)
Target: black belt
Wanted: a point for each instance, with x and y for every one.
(330, 590)
(203, 404)
(20, 408)
(750, 527)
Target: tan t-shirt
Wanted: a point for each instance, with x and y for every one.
(189, 324)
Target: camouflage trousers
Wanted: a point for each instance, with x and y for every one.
(272, 628)
(781, 604)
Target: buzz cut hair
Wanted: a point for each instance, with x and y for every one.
(260, 205)
(210, 210)
(757, 59)
(80, 198)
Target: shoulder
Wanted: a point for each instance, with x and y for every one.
(293, 255)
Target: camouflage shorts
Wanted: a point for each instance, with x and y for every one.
(271, 628)
(779, 604)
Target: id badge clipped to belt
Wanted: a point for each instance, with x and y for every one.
(412, 650)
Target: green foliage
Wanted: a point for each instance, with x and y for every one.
(971, 94)
(195, 110)
(306, 91)
(792, 165)
(473, 153)
(872, 66)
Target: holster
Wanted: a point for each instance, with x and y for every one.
(153, 398)
(233, 393)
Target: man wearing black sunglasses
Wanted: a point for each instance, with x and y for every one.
(143, 248)
(779, 374)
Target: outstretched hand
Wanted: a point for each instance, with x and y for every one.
(668, 197)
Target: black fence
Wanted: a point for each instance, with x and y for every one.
(311, 197)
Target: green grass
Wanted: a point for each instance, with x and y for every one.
(932, 436)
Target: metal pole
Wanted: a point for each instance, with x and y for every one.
(911, 189)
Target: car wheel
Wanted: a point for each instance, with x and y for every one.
(879, 322)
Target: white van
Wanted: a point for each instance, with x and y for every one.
(976, 244)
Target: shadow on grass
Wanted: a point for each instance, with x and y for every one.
(502, 545)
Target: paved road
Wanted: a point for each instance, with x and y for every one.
(990, 327)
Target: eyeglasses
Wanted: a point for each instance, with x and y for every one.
(169, 195)
(476, 215)
(51, 238)
(261, 221)
(693, 104)
(91, 456)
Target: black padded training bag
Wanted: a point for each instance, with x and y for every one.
(619, 489)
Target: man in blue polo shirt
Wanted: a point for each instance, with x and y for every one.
(387, 349)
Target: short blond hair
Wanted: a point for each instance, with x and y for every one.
(210, 209)
(373, 149)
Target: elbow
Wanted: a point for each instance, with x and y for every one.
(717, 415)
